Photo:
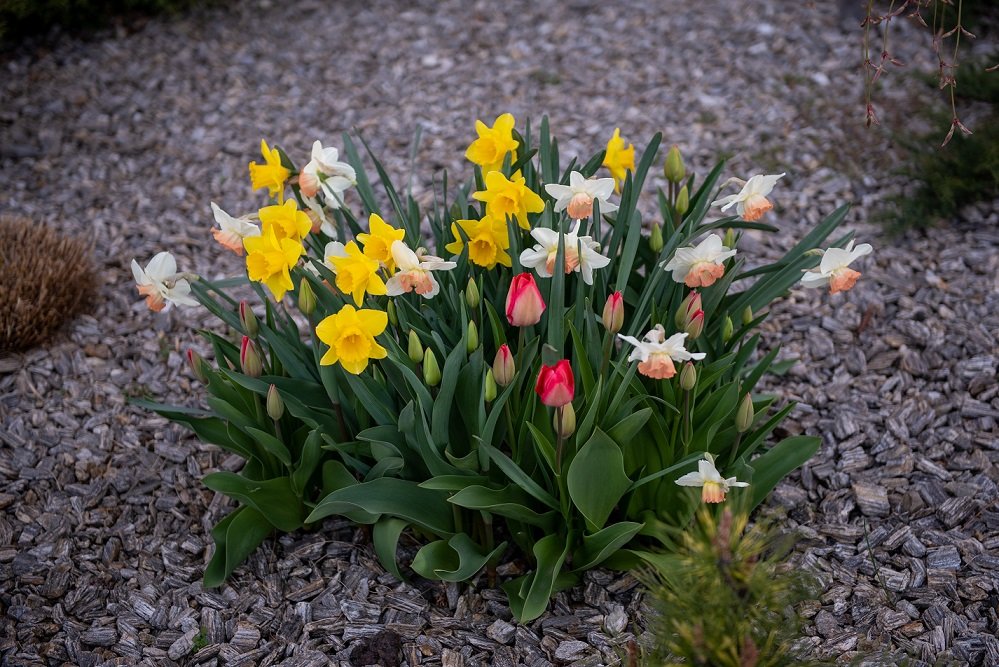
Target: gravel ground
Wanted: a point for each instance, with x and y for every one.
(126, 138)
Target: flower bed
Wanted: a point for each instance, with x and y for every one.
(545, 385)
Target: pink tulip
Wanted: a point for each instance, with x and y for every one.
(556, 385)
(524, 304)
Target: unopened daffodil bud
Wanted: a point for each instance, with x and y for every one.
(198, 366)
(247, 320)
(306, 298)
(747, 315)
(613, 315)
(744, 415)
(504, 368)
(415, 348)
(472, 342)
(682, 201)
(727, 329)
(392, 316)
(472, 297)
(490, 389)
(656, 238)
(674, 169)
(688, 377)
(275, 406)
(568, 421)
(249, 358)
(729, 238)
(431, 371)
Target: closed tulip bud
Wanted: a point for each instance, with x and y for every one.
(688, 377)
(524, 304)
(472, 342)
(198, 366)
(248, 320)
(568, 421)
(431, 371)
(674, 169)
(690, 305)
(556, 385)
(392, 317)
(504, 368)
(613, 316)
(472, 297)
(656, 242)
(415, 348)
(744, 415)
(727, 329)
(306, 298)
(682, 201)
(729, 239)
(275, 406)
(747, 315)
(490, 390)
(695, 325)
(249, 358)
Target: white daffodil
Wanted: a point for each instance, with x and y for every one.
(160, 283)
(656, 353)
(833, 269)
(700, 265)
(581, 253)
(578, 196)
(751, 202)
(415, 272)
(325, 173)
(714, 486)
(320, 221)
(232, 231)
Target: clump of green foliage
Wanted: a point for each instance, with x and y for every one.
(964, 171)
(726, 597)
(22, 18)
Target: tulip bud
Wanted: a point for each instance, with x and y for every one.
(556, 385)
(568, 421)
(249, 358)
(306, 298)
(248, 320)
(275, 406)
(729, 239)
(727, 329)
(198, 366)
(390, 311)
(490, 391)
(694, 325)
(656, 238)
(747, 315)
(674, 169)
(744, 415)
(415, 348)
(690, 305)
(504, 368)
(524, 304)
(613, 317)
(682, 201)
(688, 377)
(431, 371)
(472, 297)
(473, 337)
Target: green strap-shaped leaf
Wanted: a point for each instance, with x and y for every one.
(518, 476)
(771, 467)
(392, 497)
(273, 498)
(456, 559)
(236, 537)
(601, 545)
(508, 501)
(597, 479)
(529, 594)
(385, 537)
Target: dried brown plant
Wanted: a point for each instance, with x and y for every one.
(45, 279)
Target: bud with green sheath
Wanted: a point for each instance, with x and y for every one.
(415, 348)
(247, 320)
(472, 297)
(688, 377)
(472, 342)
(727, 329)
(656, 238)
(275, 406)
(431, 371)
(306, 298)
(491, 389)
(682, 202)
(568, 421)
(744, 415)
(674, 169)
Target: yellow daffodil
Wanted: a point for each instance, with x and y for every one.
(269, 260)
(490, 149)
(509, 197)
(619, 159)
(270, 175)
(286, 220)
(488, 240)
(355, 273)
(350, 335)
(378, 244)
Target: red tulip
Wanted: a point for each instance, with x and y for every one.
(524, 304)
(556, 385)
(613, 316)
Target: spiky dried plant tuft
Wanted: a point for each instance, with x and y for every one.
(45, 279)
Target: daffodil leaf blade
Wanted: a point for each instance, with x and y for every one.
(596, 478)
(599, 546)
(776, 463)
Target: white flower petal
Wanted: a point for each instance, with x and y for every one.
(691, 479)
